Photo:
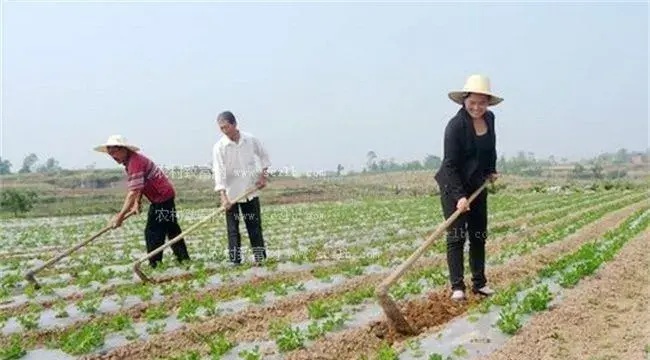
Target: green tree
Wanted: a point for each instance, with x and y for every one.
(371, 157)
(597, 170)
(578, 170)
(28, 162)
(621, 156)
(432, 162)
(17, 201)
(51, 165)
(5, 167)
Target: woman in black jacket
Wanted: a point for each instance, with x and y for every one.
(469, 160)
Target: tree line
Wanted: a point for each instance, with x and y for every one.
(524, 164)
(30, 165)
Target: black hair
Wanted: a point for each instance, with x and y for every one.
(227, 116)
(469, 93)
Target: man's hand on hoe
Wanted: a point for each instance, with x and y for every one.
(225, 202)
(263, 179)
(117, 220)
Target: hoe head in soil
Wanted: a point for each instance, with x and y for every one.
(30, 277)
(396, 319)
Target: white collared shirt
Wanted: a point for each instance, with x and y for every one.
(234, 166)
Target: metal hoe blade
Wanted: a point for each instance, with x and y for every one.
(30, 275)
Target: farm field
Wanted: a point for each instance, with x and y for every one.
(314, 297)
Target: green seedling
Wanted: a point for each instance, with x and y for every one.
(386, 352)
(90, 304)
(144, 292)
(289, 339)
(253, 294)
(29, 321)
(460, 351)
(188, 308)
(415, 347)
(537, 300)
(15, 350)
(509, 320)
(252, 354)
(155, 327)
(120, 322)
(319, 309)
(155, 313)
(60, 307)
(218, 344)
(82, 340)
(210, 306)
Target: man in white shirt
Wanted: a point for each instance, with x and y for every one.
(235, 171)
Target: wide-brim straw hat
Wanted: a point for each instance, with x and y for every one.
(479, 84)
(115, 140)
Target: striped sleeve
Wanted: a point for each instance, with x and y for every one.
(136, 174)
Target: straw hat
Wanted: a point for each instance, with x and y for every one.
(479, 84)
(115, 140)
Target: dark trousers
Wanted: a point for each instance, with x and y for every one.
(472, 224)
(162, 222)
(253, 220)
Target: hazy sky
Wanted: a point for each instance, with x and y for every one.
(320, 83)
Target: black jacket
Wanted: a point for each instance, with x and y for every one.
(456, 176)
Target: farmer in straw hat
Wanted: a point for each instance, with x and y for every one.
(146, 178)
(469, 159)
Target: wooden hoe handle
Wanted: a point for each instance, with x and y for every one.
(31, 273)
(383, 287)
(136, 264)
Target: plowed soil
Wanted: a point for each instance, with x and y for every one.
(604, 317)
(437, 308)
(425, 313)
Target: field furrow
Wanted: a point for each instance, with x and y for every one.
(438, 309)
(313, 299)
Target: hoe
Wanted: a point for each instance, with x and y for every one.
(136, 264)
(30, 274)
(395, 317)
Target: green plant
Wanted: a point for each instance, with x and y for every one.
(537, 300)
(82, 340)
(252, 354)
(90, 303)
(386, 352)
(30, 320)
(415, 347)
(320, 308)
(155, 327)
(254, 294)
(18, 201)
(120, 322)
(60, 307)
(286, 337)
(218, 344)
(155, 313)
(509, 320)
(459, 351)
(188, 309)
(15, 349)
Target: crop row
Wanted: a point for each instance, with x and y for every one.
(388, 253)
(314, 329)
